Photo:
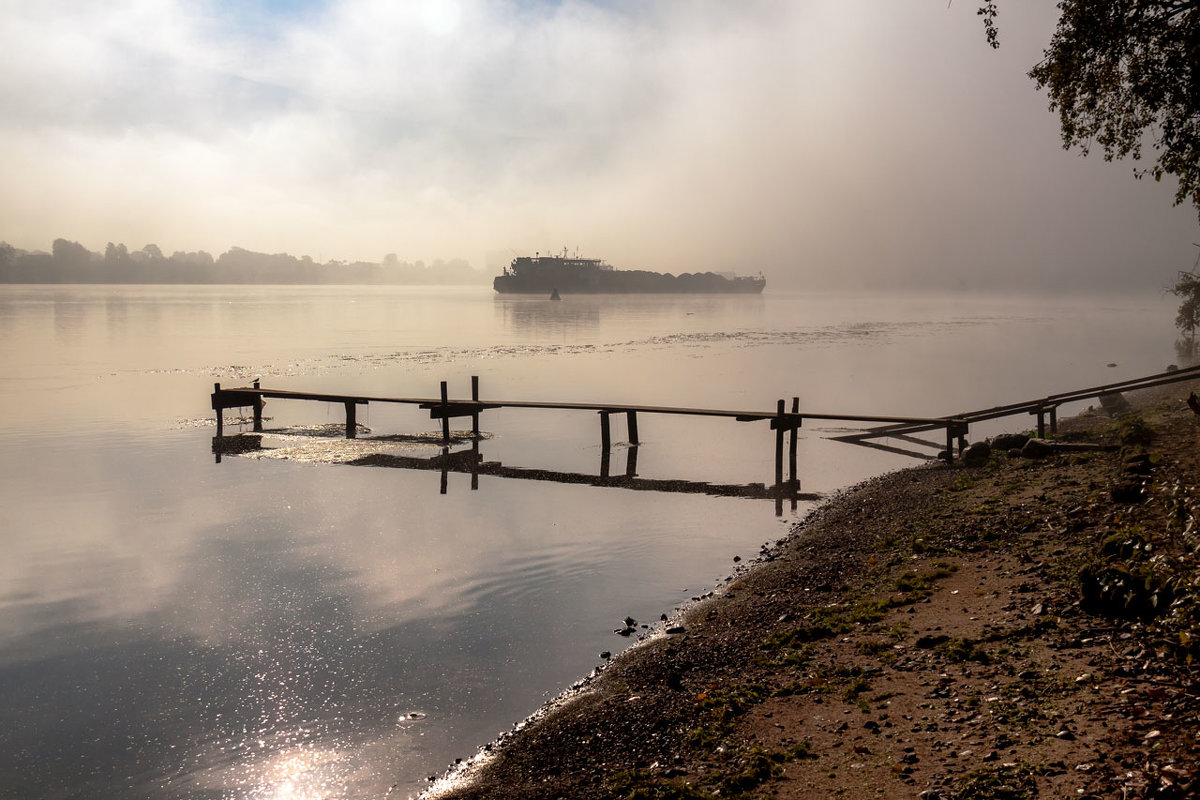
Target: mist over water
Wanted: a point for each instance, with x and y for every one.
(297, 627)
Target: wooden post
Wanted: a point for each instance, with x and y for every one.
(220, 410)
(631, 462)
(962, 437)
(631, 418)
(1054, 419)
(1041, 415)
(605, 460)
(351, 419)
(475, 417)
(258, 408)
(445, 471)
(779, 445)
(949, 442)
(792, 443)
(605, 438)
(445, 419)
(475, 464)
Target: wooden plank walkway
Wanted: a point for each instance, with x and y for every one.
(1045, 409)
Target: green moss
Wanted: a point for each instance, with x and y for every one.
(719, 710)
(1133, 431)
(759, 768)
(959, 650)
(830, 621)
(641, 785)
(738, 773)
(1015, 782)
(873, 647)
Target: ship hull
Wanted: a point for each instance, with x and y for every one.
(627, 282)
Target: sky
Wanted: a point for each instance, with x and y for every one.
(825, 143)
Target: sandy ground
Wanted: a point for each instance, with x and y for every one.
(933, 633)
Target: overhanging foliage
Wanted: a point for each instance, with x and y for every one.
(1122, 74)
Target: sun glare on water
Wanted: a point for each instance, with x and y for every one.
(299, 774)
(293, 773)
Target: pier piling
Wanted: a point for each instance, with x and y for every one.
(605, 435)
(446, 417)
(258, 410)
(219, 409)
(792, 442)
(475, 414)
(779, 444)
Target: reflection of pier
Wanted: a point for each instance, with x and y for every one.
(470, 462)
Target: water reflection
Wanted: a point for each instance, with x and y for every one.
(470, 461)
(69, 320)
(537, 316)
(543, 317)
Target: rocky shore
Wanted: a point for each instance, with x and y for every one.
(1023, 627)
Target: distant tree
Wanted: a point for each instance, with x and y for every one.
(189, 267)
(1121, 73)
(70, 253)
(119, 266)
(8, 263)
(115, 254)
(70, 262)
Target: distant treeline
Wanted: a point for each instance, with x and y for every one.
(71, 262)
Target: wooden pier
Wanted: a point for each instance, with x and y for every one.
(784, 421)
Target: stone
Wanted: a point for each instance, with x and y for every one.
(1128, 492)
(1009, 441)
(1115, 404)
(977, 454)
(1037, 448)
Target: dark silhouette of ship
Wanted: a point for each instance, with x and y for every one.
(566, 275)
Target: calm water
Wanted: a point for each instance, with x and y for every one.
(293, 627)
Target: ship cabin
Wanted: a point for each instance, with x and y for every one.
(534, 266)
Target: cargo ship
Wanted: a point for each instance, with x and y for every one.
(559, 275)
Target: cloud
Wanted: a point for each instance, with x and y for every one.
(816, 140)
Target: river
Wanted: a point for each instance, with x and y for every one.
(280, 624)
